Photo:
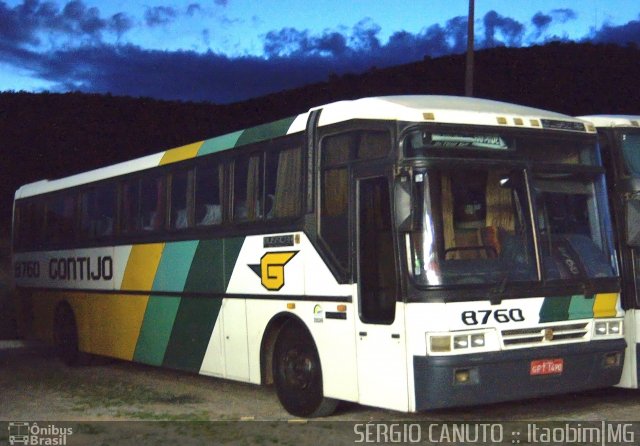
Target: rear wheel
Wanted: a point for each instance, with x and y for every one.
(66, 337)
(298, 375)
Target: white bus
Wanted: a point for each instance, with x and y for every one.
(620, 146)
(405, 252)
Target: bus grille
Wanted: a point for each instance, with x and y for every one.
(536, 336)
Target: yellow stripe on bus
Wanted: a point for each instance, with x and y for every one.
(605, 305)
(128, 310)
(119, 339)
(141, 267)
(181, 153)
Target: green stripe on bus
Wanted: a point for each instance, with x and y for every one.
(207, 269)
(555, 309)
(581, 307)
(156, 329)
(192, 330)
(161, 311)
(265, 131)
(219, 143)
(212, 265)
(232, 248)
(174, 266)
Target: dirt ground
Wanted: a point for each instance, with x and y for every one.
(114, 402)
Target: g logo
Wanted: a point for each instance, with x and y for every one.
(271, 269)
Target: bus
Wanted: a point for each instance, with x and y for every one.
(619, 137)
(403, 252)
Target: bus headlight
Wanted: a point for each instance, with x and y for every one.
(604, 328)
(461, 342)
(440, 344)
(477, 340)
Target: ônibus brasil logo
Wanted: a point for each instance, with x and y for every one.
(22, 432)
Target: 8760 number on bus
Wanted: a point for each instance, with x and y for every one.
(482, 317)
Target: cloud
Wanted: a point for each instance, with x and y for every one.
(563, 15)
(620, 35)
(120, 23)
(193, 9)
(291, 57)
(496, 25)
(292, 42)
(28, 22)
(185, 75)
(160, 15)
(541, 21)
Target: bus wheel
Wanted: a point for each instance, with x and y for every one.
(66, 336)
(298, 375)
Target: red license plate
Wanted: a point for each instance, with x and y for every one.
(546, 366)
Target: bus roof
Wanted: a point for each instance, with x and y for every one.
(446, 109)
(438, 109)
(613, 120)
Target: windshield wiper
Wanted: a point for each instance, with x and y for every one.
(496, 292)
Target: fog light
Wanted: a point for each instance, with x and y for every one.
(601, 328)
(612, 359)
(440, 343)
(461, 342)
(477, 340)
(462, 376)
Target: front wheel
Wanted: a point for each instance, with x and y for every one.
(298, 375)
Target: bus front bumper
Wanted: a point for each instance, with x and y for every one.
(488, 377)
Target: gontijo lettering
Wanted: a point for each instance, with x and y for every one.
(81, 268)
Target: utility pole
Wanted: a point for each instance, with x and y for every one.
(468, 79)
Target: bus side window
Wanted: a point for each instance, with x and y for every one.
(29, 222)
(129, 206)
(247, 188)
(373, 144)
(60, 220)
(335, 195)
(181, 215)
(208, 194)
(98, 212)
(283, 183)
(153, 203)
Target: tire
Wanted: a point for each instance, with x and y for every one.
(66, 337)
(297, 373)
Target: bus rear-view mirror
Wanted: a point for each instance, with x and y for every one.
(403, 203)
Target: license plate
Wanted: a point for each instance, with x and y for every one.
(546, 366)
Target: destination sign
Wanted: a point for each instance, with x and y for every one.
(562, 125)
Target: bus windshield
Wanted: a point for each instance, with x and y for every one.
(472, 227)
(630, 143)
(573, 242)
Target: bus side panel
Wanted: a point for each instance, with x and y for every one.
(294, 273)
(108, 324)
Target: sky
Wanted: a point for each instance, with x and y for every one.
(229, 50)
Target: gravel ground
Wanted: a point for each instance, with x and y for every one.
(159, 406)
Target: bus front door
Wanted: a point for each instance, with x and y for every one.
(380, 336)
